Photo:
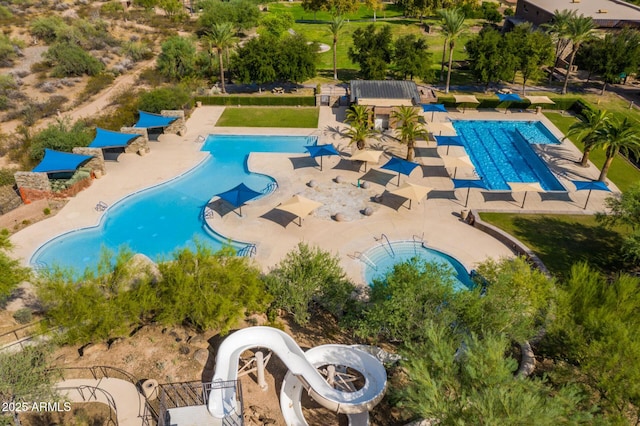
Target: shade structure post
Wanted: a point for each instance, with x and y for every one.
(524, 199)
(432, 115)
(320, 163)
(398, 178)
(587, 202)
(410, 203)
(240, 211)
(466, 201)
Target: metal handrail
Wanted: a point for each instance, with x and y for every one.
(393, 253)
(111, 403)
(248, 250)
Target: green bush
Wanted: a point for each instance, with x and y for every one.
(126, 104)
(112, 7)
(47, 28)
(96, 84)
(175, 97)
(23, 316)
(258, 100)
(6, 177)
(137, 50)
(61, 136)
(71, 60)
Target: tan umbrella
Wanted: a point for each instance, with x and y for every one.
(539, 100)
(412, 192)
(299, 206)
(466, 99)
(457, 161)
(525, 187)
(367, 156)
(439, 128)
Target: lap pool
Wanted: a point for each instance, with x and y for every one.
(169, 216)
(501, 152)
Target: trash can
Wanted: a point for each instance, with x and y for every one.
(538, 109)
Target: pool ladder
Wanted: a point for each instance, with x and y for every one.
(364, 259)
(384, 237)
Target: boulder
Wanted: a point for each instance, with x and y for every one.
(201, 355)
(368, 211)
(339, 217)
(312, 184)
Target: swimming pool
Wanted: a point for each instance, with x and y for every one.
(501, 152)
(161, 219)
(380, 259)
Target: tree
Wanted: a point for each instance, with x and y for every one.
(295, 59)
(452, 21)
(255, 61)
(314, 6)
(617, 136)
(406, 120)
(276, 25)
(71, 60)
(586, 130)
(533, 49)
(579, 29)
(177, 59)
(375, 6)
(173, 97)
(490, 60)
(412, 57)
(305, 275)
(12, 273)
(221, 38)
(243, 14)
(61, 135)
(359, 118)
(618, 53)
(624, 209)
(47, 28)
(558, 31)
(172, 8)
(335, 27)
(372, 50)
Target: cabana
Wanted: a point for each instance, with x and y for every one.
(112, 143)
(154, 123)
(56, 164)
(465, 99)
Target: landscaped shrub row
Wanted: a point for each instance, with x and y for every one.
(258, 100)
(563, 104)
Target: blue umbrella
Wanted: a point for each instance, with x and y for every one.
(401, 166)
(590, 185)
(321, 151)
(468, 183)
(433, 108)
(508, 97)
(449, 141)
(239, 195)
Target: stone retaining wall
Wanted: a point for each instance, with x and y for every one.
(96, 164)
(9, 199)
(139, 145)
(179, 126)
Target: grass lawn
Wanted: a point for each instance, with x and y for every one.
(562, 240)
(269, 117)
(622, 173)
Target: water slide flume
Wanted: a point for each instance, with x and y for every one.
(222, 402)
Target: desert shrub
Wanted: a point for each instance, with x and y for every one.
(305, 275)
(137, 50)
(156, 100)
(112, 8)
(47, 28)
(68, 60)
(5, 13)
(7, 50)
(6, 176)
(42, 66)
(123, 114)
(61, 136)
(96, 84)
(151, 77)
(12, 272)
(23, 316)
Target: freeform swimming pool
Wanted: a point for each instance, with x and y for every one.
(380, 259)
(501, 152)
(159, 220)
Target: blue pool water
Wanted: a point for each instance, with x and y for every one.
(501, 152)
(380, 259)
(159, 220)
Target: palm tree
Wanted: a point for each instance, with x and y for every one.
(452, 21)
(586, 131)
(405, 120)
(358, 117)
(335, 26)
(617, 136)
(221, 38)
(358, 114)
(558, 29)
(579, 29)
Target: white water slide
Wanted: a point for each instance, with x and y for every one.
(302, 373)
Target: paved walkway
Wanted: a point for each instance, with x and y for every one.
(435, 219)
(118, 394)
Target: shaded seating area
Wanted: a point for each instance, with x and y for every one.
(112, 143)
(60, 165)
(156, 124)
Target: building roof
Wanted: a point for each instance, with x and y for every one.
(606, 13)
(385, 89)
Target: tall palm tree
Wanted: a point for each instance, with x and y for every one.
(617, 136)
(221, 38)
(452, 21)
(335, 26)
(586, 131)
(358, 117)
(579, 29)
(406, 121)
(358, 114)
(558, 30)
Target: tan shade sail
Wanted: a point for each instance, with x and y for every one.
(445, 128)
(367, 156)
(525, 186)
(466, 99)
(412, 191)
(457, 161)
(540, 100)
(299, 206)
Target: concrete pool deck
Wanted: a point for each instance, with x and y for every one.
(435, 219)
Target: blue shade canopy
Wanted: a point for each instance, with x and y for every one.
(110, 139)
(399, 165)
(433, 108)
(149, 121)
(239, 195)
(469, 183)
(321, 150)
(508, 97)
(449, 140)
(594, 185)
(56, 162)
